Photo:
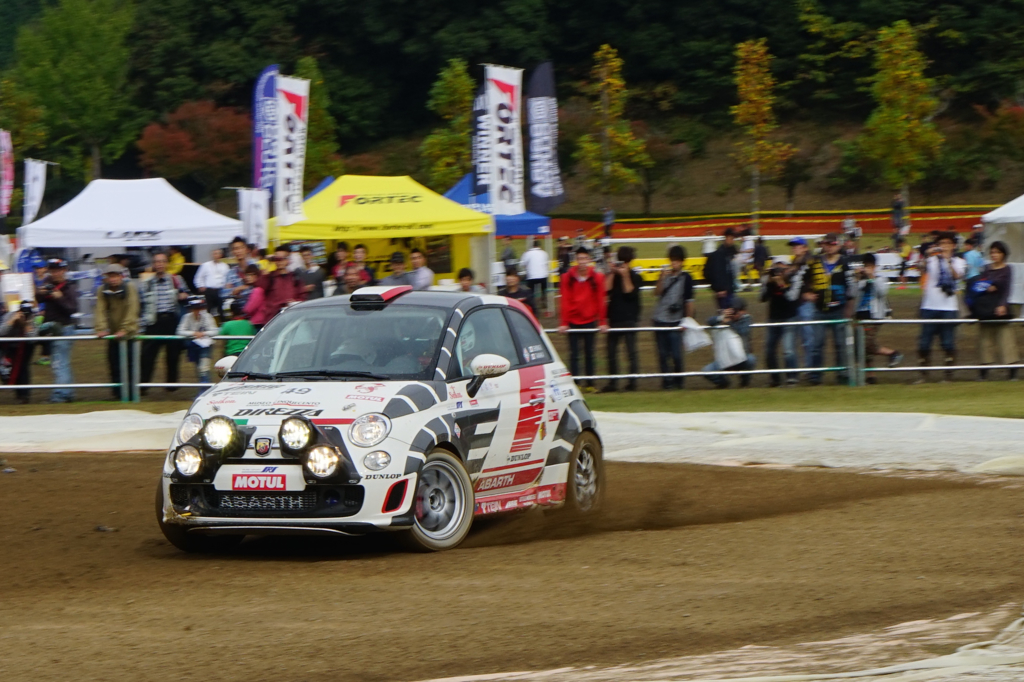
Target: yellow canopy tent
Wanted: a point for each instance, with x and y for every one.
(370, 209)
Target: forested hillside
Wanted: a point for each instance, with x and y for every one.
(378, 60)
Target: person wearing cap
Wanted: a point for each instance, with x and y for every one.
(116, 314)
(18, 323)
(583, 307)
(827, 282)
(198, 326)
(720, 270)
(61, 299)
(398, 277)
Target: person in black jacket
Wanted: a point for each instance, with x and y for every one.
(61, 300)
(514, 289)
(623, 287)
(780, 309)
(719, 270)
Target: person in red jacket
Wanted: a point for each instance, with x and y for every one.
(280, 289)
(583, 307)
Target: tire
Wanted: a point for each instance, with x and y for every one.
(443, 505)
(584, 489)
(194, 543)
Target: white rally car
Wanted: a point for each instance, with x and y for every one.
(384, 410)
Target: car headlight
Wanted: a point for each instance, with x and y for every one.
(188, 460)
(377, 460)
(190, 426)
(296, 433)
(369, 430)
(218, 433)
(322, 461)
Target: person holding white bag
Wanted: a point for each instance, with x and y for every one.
(732, 344)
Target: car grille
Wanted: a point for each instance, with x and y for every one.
(268, 501)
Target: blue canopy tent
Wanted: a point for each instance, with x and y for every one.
(520, 225)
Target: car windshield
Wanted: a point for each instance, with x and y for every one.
(337, 342)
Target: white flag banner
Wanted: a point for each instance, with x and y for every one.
(504, 105)
(35, 184)
(292, 120)
(254, 209)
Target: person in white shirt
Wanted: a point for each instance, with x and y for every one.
(536, 263)
(710, 243)
(422, 276)
(942, 273)
(210, 278)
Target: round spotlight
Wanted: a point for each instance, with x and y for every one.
(218, 433)
(188, 460)
(190, 426)
(377, 460)
(369, 430)
(295, 433)
(322, 461)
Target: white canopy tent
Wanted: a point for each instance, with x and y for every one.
(1006, 224)
(118, 213)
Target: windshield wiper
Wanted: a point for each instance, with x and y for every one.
(331, 373)
(251, 375)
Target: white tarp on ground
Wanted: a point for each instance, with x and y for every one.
(105, 431)
(129, 213)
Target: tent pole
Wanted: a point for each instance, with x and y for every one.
(492, 256)
(549, 247)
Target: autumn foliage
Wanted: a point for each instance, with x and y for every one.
(754, 114)
(199, 140)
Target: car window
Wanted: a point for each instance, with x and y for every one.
(531, 347)
(484, 331)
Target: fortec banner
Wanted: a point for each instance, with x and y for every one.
(292, 119)
(254, 210)
(504, 103)
(6, 172)
(35, 184)
(544, 191)
(264, 130)
(481, 143)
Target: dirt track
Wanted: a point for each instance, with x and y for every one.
(686, 559)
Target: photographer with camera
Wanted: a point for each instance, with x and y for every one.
(623, 286)
(941, 273)
(732, 345)
(781, 308)
(61, 299)
(675, 301)
(16, 356)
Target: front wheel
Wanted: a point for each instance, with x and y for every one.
(585, 486)
(180, 537)
(443, 506)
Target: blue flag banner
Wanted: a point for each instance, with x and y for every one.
(264, 130)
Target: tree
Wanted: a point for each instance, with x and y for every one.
(794, 172)
(322, 158)
(755, 115)
(900, 134)
(74, 63)
(665, 157)
(446, 152)
(200, 140)
(610, 155)
(21, 115)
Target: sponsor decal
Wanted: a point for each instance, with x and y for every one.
(552, 415)
(371, 398)
(297, 390)
(489, 507)
(508, 480)
(263, 446)
(381, 477)
(458, 430)
(278, 412)
(453, 394)
(222, 401)
(544, 495)
(216, 409)
(257, 482)
(136, 236)
(350, 406)
(379, 199)
(368, 388)
(458, 405)
(521, 457)
(556, 393)
(474, 403)
(244, 388)
(281, 403)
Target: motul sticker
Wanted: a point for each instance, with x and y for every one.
(257, 482)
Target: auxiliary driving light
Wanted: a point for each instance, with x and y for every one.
(322, 461)
(218, 433)
(296, 433)
(377, 460)
(369, 430)
(190, 426)
(188, 460)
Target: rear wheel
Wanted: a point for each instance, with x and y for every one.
(585, 488)
(180, 537)
(443, 506)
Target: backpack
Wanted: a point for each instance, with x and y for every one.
(980, 301)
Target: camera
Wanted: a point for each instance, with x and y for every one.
(675, 309)
(25, 309)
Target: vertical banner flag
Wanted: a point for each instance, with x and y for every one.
(254, 210)
(264, 129)
(504, 104)
(544, 188)
(35, 184)
(6, 172)
(292, 118)
(481, 145)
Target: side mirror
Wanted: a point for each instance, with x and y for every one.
(485, 366)
(225, 364)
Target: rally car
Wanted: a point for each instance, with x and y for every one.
(389, 409)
